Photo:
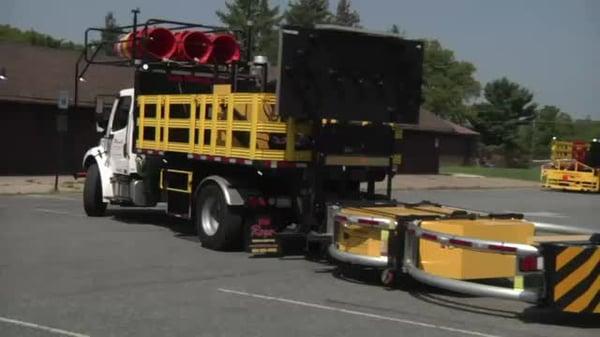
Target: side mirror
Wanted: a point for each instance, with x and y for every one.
(102, 114)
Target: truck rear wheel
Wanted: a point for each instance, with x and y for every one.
(219, 227)
(92, 193)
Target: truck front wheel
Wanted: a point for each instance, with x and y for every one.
(92, 193)
(217, 224)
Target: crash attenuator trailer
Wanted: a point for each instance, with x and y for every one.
(453, 249)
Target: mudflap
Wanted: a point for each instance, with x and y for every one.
(260, 236)
(573, 276)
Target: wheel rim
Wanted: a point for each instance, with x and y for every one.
(209, 216)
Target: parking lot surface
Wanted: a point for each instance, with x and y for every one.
(136, 272)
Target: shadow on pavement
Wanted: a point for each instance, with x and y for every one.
(182, 228)
(456, 301)
(531, 314)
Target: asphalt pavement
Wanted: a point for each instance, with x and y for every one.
(558, 207)
(137, 272)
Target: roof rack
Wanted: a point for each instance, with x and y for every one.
(142, 62)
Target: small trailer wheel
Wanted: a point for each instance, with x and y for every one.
(387, 277)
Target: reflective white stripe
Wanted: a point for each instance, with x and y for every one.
(355, 219)
(540, 263)
(42, 327)
(473, 243)
(355, 313)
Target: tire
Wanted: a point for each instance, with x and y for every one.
(92, 193)
(218, 226)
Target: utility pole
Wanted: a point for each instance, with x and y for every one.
(249, 24)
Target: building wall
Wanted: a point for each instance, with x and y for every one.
(457, 149)
(420, 152)
(424, 151)
(30, 139)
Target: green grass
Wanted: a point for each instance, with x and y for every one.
(532, 174)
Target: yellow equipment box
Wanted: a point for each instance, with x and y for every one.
(465, 264)
(372, 240)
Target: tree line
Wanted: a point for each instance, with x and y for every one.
(32, 37)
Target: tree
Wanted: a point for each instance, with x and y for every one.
(448, 84)
(8, 33)
(507, 106)
(395, 29)
(307, 12)
(264, 20)
(345, 15)
(550, 122)
(110, 36)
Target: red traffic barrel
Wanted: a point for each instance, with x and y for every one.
(158, 43)
(225, 49)
(192, 46)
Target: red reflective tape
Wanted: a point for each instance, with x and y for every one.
(428, 236)
(460, 242)
(368, 222)
(340, 218)
(502, 248)
(286, 164)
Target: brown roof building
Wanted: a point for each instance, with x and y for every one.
(435, 141)
(33, 78)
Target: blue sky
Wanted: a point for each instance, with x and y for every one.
(551, 47)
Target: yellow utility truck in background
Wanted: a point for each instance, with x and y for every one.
(574, 166)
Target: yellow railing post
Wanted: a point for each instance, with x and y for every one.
(229, 131)
(253, 126)
(202, 123)
(165, 144)
(213, 127)
(158, 119)
(192, 127)
(141, 102)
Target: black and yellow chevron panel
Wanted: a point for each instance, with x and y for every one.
(573, 277)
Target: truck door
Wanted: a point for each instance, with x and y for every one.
(118, 136)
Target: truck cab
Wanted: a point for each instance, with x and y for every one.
(113, 166)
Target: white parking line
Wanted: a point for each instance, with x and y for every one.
(42, 327)
(49, 196)
(356, 313)
(542, 214)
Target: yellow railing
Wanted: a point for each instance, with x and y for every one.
(227, 124)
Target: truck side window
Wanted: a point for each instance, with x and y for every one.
(122, 113)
